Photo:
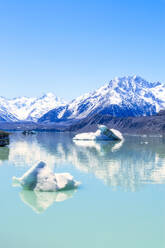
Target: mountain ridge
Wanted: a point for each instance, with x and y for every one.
(121, 97)
(28, 108)
(125, 96)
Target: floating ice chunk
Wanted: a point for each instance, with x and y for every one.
(41, 178)
(103, 133)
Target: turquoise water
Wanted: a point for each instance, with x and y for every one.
(120, 203)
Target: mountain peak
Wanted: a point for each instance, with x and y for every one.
(131, 83)
(49, 94)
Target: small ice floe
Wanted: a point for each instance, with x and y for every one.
(41, 178)
(144, 142)
(103, 133)
(28, 132)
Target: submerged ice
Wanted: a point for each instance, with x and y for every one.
(103, 133)
(41, 178)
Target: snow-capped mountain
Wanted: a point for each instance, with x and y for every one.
(26, 108)
(126, 96)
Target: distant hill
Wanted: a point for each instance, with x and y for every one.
(154, 124)
(136, 125)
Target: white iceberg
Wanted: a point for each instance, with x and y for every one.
(41, 178)
(103, 133)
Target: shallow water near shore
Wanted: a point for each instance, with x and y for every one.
(120, 203)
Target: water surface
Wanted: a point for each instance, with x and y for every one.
(120, 203)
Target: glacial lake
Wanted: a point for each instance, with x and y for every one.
(120, 203)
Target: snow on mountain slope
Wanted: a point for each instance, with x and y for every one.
(126, 96)
(26, 108)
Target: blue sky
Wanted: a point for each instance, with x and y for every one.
(70, 47)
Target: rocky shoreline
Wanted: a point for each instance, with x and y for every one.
(154, 124)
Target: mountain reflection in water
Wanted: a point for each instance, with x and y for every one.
(128, 164)
(4, 154)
